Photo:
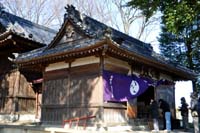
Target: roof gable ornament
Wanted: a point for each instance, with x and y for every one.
(79, 20)
(73, 14)
(76, 26)
(69, 33)
(107, 33)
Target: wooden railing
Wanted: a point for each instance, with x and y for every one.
(77, 120)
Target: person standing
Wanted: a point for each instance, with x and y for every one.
(154, 114)
(166, 114)
(198, 106)
(184, 113)
(194, 111)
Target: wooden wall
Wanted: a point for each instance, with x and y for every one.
(75, 89)
(71, 92)
(132, 107)
(117, 112)
(16, 94)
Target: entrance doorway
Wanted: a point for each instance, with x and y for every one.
(143, 102)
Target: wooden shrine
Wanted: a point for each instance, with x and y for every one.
(72, 66)
(17, 35)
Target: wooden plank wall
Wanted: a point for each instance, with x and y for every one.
(69, 93)
(16, 94)
(115, 115)
(56, 114)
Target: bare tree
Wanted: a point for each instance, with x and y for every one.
(50, 12)
(127, 15)
(94, 8)
(130, 18)
(42, 12)
(114, 13)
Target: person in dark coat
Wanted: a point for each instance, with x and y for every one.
(154, 114)
(166, 114)
(184, 113)
(198, 107)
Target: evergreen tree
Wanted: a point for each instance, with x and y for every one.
(183, 49)
(180, 36)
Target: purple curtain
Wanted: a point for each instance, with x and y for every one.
(119, 87)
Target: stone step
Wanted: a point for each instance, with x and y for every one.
(140, 124)
(132, 124)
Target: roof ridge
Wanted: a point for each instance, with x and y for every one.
(77, 19)
(82, 20)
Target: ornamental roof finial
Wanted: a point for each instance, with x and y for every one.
(72, 13)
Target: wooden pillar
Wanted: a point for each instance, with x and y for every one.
(36, 104)
(101, 109)
(132, 104)
(69, 81)
(15, 93)
(42, 97)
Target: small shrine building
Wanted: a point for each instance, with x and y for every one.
(17, 94)
(90, 68)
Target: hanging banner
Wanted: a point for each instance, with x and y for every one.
(119, 87)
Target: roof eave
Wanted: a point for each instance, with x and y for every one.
(112, 46)
(62, 56)
(9, 35)
(152, 62)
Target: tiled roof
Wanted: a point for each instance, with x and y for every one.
(44, 52)
(96, 30)
(25, 28)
